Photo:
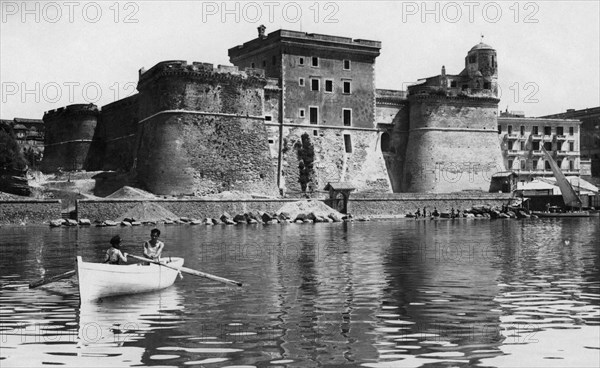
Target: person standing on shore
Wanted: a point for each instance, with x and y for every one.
(153, 247)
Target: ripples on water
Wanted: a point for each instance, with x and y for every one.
(379, 294)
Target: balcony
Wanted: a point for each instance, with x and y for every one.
(561, 153)
(515, 152)
(512, 136)
(560, 137)
(537, 152)
(536, 137)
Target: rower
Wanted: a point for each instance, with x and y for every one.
(153, 247)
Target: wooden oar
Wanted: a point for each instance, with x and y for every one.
(188, 270)
(51, 279)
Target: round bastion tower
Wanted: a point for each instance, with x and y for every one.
(68, 139)
(453, 142)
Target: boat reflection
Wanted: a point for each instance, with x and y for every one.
(117, 328)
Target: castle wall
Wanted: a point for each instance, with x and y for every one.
(69, 134)
(364, 166)
(453, 145)
(116, 135)
(202, 132)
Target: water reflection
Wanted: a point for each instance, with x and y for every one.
(383, 294)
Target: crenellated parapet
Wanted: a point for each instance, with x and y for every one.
(201, 72)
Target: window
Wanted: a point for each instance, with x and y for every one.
(522, 164)
(535, 130)
(535, 146)
(314, 84)
(510, 164)
(301, 82)
(301, 61)
(253, 65)
(314, 114)
(547, 130)
(274, 60)
(487, 85)
(453, 84)
(510, 129)
(347, 88)
(348, 143)
(546, 165)
(522, 146)
(559, 131)
(315, 132)
(328, 85)
(571, 130)
(385, 142)
(499, 129)
(346, 64)
(268, 117)
(571, 165)
(472, 59)
(301, 113)
(522, 129)
(571, 146)
(347, 117)
(559, 163)
(510, 145)
(271, 141)
(264, 63)
(315, 61)
(548, 146)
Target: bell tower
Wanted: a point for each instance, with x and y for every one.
(481, 65)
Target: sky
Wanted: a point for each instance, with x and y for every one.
(53, 54)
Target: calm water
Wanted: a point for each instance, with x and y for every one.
(376, 294)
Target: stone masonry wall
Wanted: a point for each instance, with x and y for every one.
(116, 132)
(186, 153)
(364, 166)
(452, 146)
(29, 211)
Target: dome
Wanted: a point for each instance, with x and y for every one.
(481, 46)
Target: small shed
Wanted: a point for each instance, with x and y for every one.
(505, 182)
(339, 192)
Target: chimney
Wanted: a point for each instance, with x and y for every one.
(261, 31)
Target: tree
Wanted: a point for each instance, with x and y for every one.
(306, 158)
(11, 157)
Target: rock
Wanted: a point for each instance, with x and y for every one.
(282, 218)
(511, 214)
(101, 224)
(252, 221)
(136, 223)
(311, 216)
(334, 217)
(196, 222)
(298, 221)
(84, 222)
(125, 223)
(185, 219)
(308, 221)
(226, 217)
(168, 222)
(71, 222)
(274, 222)
(240, 218)
(208, 221)
(469, 215)
(266, 217)
(215, 221)
(301, 217)
(149, 222)
(57, 223)
(229, 222)
(285, 215)
(129, 219)
(253, 216)
(110, 223)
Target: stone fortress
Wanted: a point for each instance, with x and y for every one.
(298, 108)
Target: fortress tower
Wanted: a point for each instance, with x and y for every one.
(453, 140)
(69, 134)
(201, 130)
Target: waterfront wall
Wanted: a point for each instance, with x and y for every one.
(403, 203)
(29, 211)
(101, 210)
(388, 204)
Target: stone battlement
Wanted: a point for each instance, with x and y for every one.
(76, 109)
(200, 70)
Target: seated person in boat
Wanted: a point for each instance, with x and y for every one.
(113, 254)
(153, 247)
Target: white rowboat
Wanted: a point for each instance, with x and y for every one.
(99, 280)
